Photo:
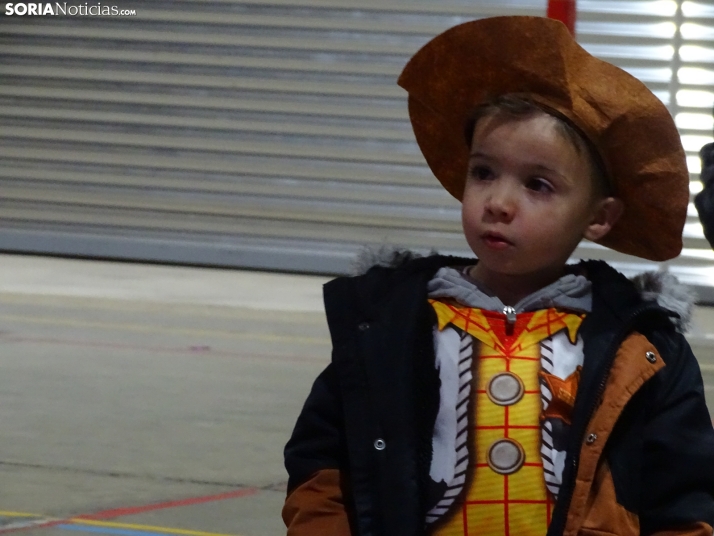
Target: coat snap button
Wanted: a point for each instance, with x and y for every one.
(364, 326)
(379, 444)
(591, 439)
(651, 357)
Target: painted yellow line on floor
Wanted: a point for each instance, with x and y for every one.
(94, 523)
(265, 337)
(147, 528)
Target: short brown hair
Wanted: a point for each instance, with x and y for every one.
(521, 107)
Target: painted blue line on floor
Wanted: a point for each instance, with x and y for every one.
(107, 530)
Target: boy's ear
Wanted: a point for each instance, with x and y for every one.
(605, 214)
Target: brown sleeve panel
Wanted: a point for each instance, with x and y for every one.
(604, 515)
(317, 507)
(698, 529)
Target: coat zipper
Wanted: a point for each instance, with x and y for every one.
(510, 313)
(601, 389)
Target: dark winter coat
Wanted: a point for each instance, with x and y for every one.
(641, 454)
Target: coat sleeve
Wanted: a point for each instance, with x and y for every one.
(678, 462)
(317, 507)
(314, 459)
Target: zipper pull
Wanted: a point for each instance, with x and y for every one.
(510, 313)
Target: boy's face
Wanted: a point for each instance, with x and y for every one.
(528, 199)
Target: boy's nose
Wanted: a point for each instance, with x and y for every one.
(500, 204)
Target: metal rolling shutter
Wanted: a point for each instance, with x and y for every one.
(692, 103)
(652, 41)
(266, 134)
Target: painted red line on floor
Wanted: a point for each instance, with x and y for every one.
(118, 512)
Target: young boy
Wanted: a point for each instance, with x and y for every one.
(516, 395)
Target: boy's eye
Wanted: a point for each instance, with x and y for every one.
(481, 172)
(539, 185)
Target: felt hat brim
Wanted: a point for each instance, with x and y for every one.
(537, 58)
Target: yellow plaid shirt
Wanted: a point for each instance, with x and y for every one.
(514, 501)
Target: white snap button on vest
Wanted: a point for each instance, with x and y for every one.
(505, 389)
(505, 456)
(651, 357)
(591, 439)
(379, 444)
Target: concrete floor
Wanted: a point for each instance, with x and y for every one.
(167, 393)
(139, 400)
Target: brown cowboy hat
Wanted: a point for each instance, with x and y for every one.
(537, 58)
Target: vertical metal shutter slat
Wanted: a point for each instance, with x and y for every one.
(288, 109)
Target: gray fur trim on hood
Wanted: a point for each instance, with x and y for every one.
(669, 293)
(658, 286)
(384, 256)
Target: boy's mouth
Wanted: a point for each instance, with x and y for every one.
(496, 241)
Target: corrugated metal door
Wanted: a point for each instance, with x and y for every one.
(265, 134)
(653, 40)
